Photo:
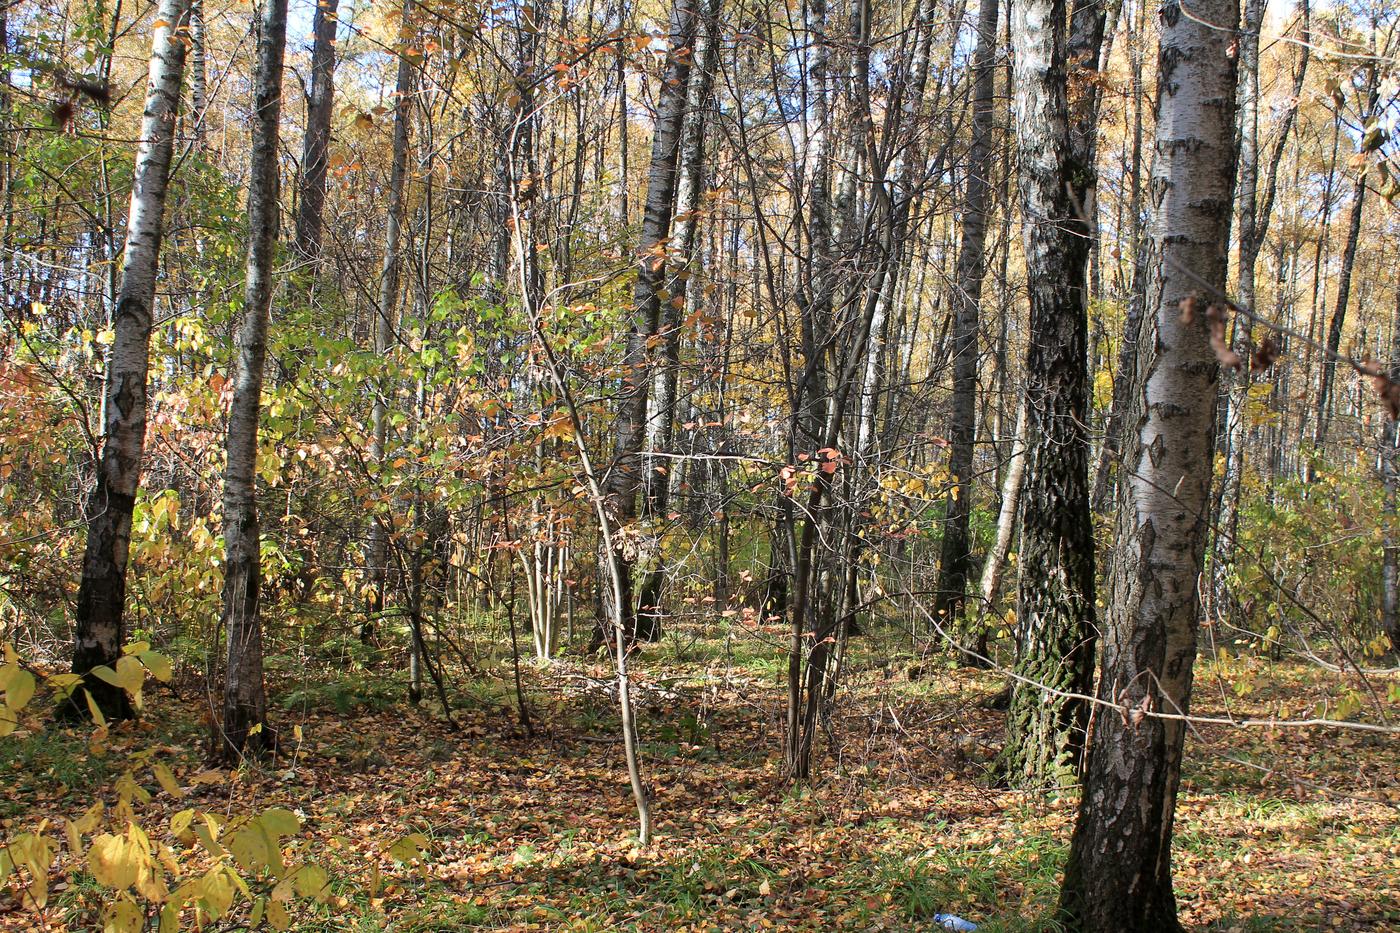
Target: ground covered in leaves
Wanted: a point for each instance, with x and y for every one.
(1286, 829)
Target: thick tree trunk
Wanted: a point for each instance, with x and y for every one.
(956, 561)
(1045, 734)
(624, 478)
(98, 623)
(1119, 872)
(316, 148)
(245, 702)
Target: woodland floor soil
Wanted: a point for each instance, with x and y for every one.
(1288, 829)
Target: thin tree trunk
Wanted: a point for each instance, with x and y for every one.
(199, 74)
(1119, 872)
(98, 622)
(624, 479)
(1045, 728)
(314, 155)
(1006, 518)
(384, 326)
(956, 561)
(245, 702)
(1390, 477)
(685, 229)
(1128, 349)
(1255, 207)
(1339, 315)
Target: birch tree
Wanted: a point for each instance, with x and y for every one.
(244, 729)
(98, 623)
(1056, 585)
(1119, 872)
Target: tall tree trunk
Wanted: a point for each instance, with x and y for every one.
(1045, 734)
(386, 311)
(685, 230)
(956, 561)
(1339, 316)
(1119, 872)
(1390, 477)
(624, 479)
(245, 701)
(1126, 363)
(98, 622)
(316, 147)
(1255, 207)
(199, 73)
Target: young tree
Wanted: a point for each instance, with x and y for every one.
(98, 623)
(956, 561)
(1119, 871)
(244, 729)
(385, 316)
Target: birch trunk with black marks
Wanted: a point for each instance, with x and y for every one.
(1119, 872)
(956, 561)
(1045, 728)
(244, 730)
(685, 231)
(624, 477)
(199, 74)
(98, 621)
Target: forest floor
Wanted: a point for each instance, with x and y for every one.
(1294, 829)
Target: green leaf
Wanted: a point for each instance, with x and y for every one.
(280, 821)
(158, 664)
(312, 881)
(249, 846)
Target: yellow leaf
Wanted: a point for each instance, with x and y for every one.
(123, 917)
(167, 780)
(112, 862)
(93, 708)
(279, 821)
(277, 916)
(218, 892)
(89, 820)
(180, 826)
(249, 846)
(313, 882)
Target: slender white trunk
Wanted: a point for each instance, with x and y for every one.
(98, 629)
(245, 701)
